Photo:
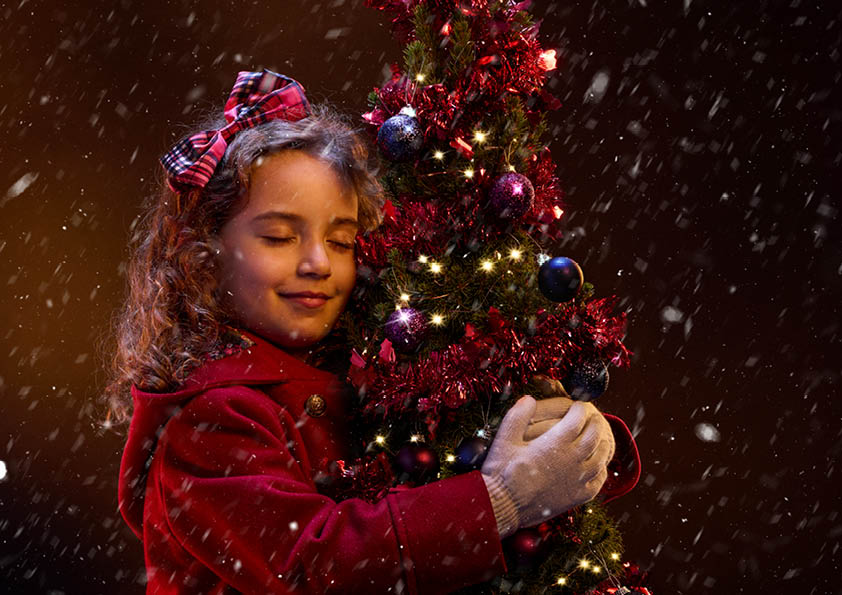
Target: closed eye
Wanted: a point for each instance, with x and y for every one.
(273, 240)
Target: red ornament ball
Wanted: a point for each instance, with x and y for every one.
(525, 549)
(417, 463)
(511, 196)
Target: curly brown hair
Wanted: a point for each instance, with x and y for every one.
(172, 315)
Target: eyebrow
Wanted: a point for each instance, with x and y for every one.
(298, 218)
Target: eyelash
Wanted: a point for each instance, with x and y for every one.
(272, 240)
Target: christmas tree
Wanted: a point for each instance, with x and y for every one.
(460, 304)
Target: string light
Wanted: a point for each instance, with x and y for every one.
(511, 168)
(469, 173)
(515, 254)
(450, 458)
(487, 265)
(415, 438)
(404, 297)
(596, 569)
(422, 259)
(480, 136)
(437, 319)
(438, 155)
(380, 440)
(584, 563)
(561, 581)
(435, 268)
(615, 556)
(419, 77)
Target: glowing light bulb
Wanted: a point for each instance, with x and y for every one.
(615, 556)
(561, 581)
(423, 259)
(435, 268)
(419, 77)
(437, 319)
(438, 155)
(480, 136)
(415, 438)
(584, 563)
(450, 458)
(515, 254)
(596, 569)
(469, 173)
(404, 297)
(380, 439)
(511, 168)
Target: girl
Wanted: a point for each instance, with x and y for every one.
(240, 270)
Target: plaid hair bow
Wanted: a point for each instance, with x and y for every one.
(256, 98)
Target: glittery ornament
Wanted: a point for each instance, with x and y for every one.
(511, 196)
(525, 550)
(470, 454)
(417, 462)
(406, 329)
(587, 382)
(400, 138)
(560, 279)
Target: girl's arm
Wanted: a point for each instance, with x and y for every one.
(232, 480)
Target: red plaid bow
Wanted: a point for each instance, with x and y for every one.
(257, 97)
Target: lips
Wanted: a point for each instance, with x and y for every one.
(307, 299)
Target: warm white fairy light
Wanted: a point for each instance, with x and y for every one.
(480, 136)
(596, 569)
(469, 173)
(437, 319)
(435, 268)
(515, 254)
(487, 265)
(438, 155)
(419, 77)
(561, 581)
(615, 556)
(380, 439)
(450, 458)
(415, 438)
(511, 168)
(590, 510)
(584, 563)
(422, 259)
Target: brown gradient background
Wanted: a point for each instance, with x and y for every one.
(704, 179)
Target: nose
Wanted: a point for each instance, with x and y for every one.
(314, 260)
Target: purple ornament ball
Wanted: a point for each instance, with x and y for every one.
(511, 196)
(470, 454)
(406, 329)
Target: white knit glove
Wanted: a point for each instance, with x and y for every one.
(530, 482)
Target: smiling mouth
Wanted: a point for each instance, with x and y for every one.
(306, 301)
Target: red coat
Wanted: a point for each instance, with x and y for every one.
(229, 501)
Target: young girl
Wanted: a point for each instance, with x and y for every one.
(240, 269)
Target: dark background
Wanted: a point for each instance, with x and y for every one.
(698, 146)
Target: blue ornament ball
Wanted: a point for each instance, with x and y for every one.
(406, 329)
(560, 279)
(511, 196)
(587, 382)
(400, 138)
(470, 454)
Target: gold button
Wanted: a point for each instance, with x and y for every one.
(315, 405)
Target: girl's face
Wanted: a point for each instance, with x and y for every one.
(296, 234)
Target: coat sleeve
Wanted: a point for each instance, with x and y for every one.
(236, 486)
